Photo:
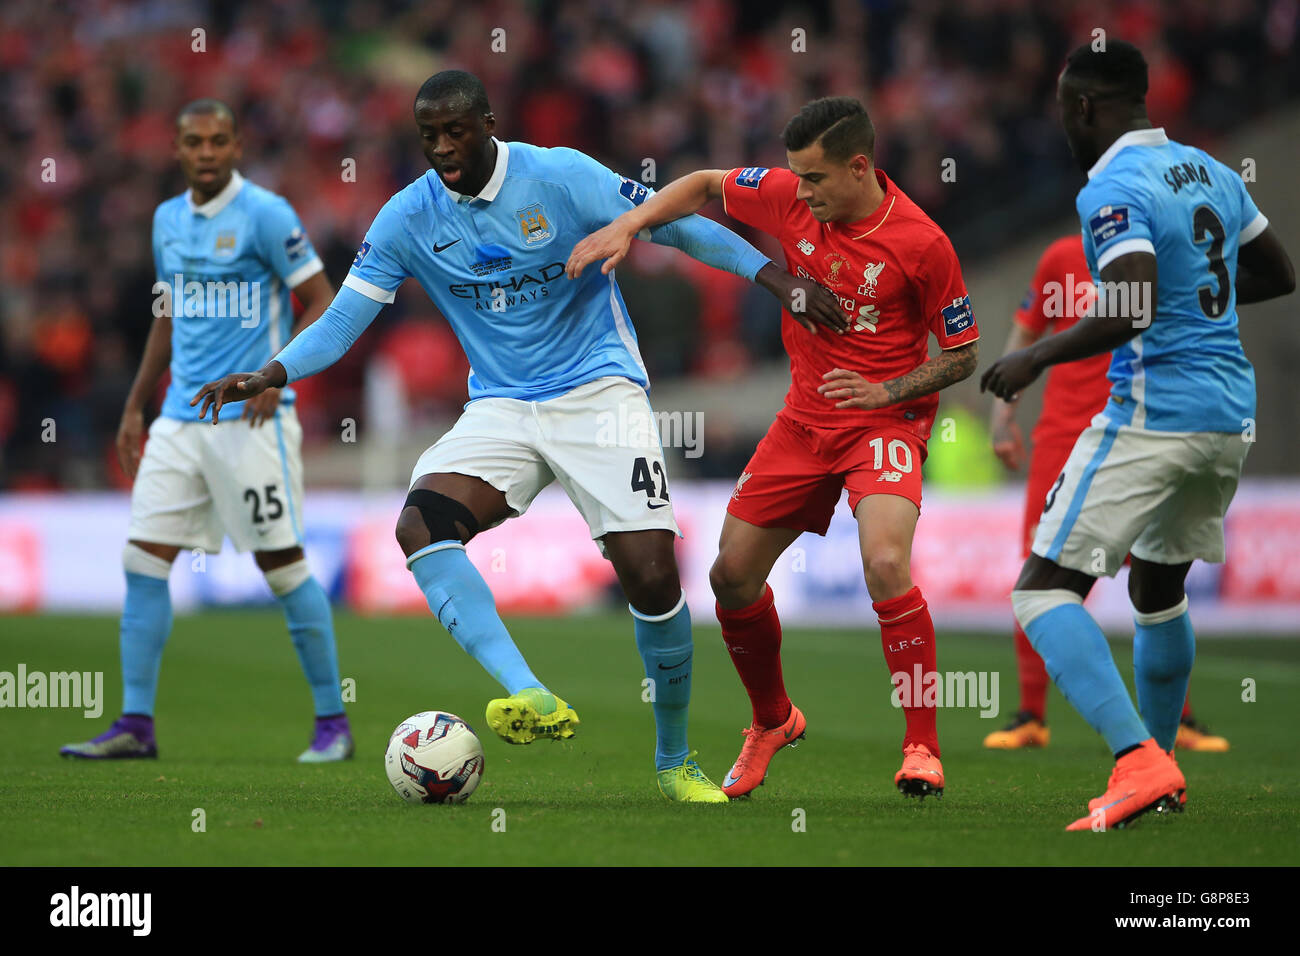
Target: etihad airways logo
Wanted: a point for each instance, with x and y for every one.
(518, 289)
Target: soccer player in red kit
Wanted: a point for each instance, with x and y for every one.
(858, 413)
(1060, 294)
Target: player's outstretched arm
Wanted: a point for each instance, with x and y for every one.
(679, 198)
(317, 347)
(1264, 270)
(315, 293)
(157, 356)
(1125, 306)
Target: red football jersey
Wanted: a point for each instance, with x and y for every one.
(895, 271)
(1060, 295)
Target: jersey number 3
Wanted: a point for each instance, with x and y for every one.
(1206, 225)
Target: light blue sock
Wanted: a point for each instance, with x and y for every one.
(460, 599)
(1163, 650)
(664, 641)
(1078, 659)
(311, 625)
(146, 622)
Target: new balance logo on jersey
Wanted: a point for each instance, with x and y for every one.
(870, 275)
(892, 476)
(806, 247)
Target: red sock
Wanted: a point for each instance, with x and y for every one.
(1033, 677)
(1187, 708)
(753, 638)
(907, 636)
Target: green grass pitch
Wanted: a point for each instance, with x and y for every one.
(233, 712)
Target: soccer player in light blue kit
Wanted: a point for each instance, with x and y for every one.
(1174, 244)
(226, 255)
(555, 362)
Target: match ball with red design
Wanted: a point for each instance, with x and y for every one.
(434, 757)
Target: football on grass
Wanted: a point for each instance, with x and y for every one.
(434, 757)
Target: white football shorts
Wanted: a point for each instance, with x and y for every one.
(199, 482)
(599, 441)
(1159, 495)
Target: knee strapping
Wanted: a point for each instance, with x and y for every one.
(441, 515)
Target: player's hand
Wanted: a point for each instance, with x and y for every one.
(610, 243)
(130, 433)
(232, 388)
(1008, 442)
(807, 302)
(1009, 375)
(853, 391)
(261, 408)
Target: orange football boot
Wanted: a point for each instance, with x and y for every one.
(921, 774)
(1144, 779)
(1193, 735)
(1025, 730)
(761, 744)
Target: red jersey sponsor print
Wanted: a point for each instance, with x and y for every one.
(1060, 294)
(894, 272)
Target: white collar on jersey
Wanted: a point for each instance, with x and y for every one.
(221, 200)
(493, 186)
(1134, 137)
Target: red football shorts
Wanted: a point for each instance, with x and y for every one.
(797, 472)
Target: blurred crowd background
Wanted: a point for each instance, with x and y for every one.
(95, 86)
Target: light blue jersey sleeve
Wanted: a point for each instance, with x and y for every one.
(1253, 222)
(380, 264)
(603, 195)
(284, 244)
(325, 341)
(1117, 221)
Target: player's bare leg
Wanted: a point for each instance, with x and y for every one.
(146, 624)
(311, 627)
(1048, 600)
(443, 512)
(752, 631)
(646, 566)
(886, 525)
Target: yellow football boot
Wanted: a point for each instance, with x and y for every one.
(532, 713)
(687, 784)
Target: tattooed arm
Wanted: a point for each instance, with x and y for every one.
(851, 390)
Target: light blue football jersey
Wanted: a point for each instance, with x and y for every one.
(1186, 372)
(494, 265)
(229, 266)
